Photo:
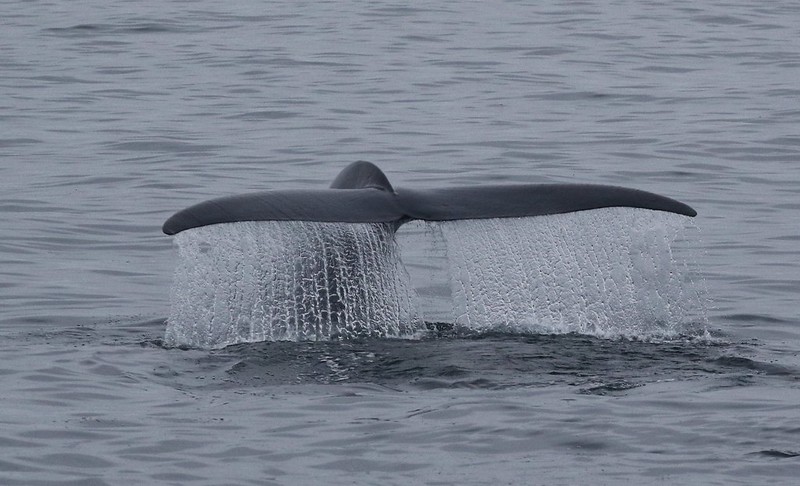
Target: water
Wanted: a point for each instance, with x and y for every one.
(608, 272)
(116, 114)
(295, 280)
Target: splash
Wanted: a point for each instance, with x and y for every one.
(608, 272)
(289, 280)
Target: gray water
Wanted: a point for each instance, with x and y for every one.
(116, 114)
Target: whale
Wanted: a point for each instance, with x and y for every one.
(361, 193)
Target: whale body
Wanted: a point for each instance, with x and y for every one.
(361, 193)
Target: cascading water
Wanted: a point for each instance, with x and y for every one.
(607, 272)
(289, 280)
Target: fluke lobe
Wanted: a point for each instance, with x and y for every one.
(361, 193)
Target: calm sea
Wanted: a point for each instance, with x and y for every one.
(116, 114)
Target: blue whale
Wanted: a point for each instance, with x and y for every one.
(361, 193)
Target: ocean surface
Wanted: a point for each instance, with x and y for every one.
(116, 114)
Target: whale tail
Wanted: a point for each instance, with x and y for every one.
(361, 193)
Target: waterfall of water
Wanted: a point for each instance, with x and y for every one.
(608, 272)
(289, 280)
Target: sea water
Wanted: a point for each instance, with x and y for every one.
(115, 114)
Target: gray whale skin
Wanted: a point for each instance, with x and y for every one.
(361, 193)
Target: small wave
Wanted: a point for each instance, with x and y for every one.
(131, 27)
(753, 365)
(15, 142)
(778, 454)
(164, 146)
(754, 317)
(613, 388)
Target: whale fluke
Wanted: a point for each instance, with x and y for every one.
(513, 201)
(361, 193)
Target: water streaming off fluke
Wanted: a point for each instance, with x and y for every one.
(289, 280)
(607, 272)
